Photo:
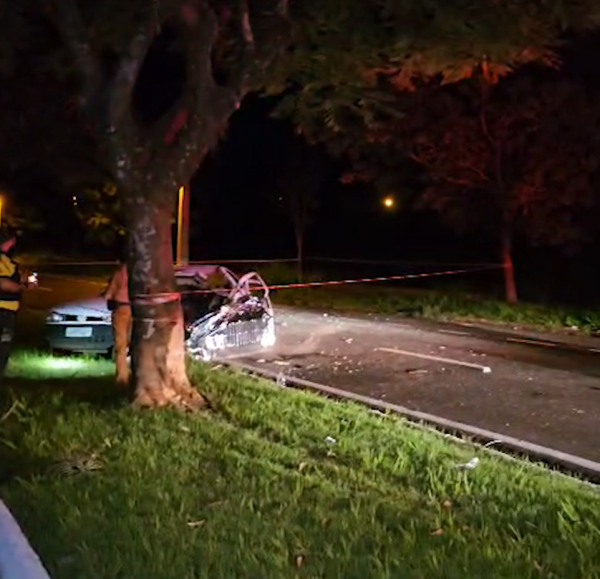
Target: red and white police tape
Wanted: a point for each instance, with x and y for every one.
(336, 282)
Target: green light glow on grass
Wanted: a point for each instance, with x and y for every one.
(43, 366)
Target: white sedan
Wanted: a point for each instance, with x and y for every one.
(224, 313)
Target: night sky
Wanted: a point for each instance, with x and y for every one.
(231, 203)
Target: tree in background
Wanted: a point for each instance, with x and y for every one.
(221, 47)
(516, 159)
(348, 86)
(297, 188)
(98, 208)
(46, 152)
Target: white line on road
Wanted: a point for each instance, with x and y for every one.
(533, 342)
(454, 332)
(484, 369)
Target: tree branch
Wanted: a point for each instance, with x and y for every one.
(246, 27)
(181, 137)
(195, 123)
(121, 86)
(107, 102)
(457, 181)
(478, 172)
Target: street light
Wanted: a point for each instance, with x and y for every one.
(388, 202)
(183, 226)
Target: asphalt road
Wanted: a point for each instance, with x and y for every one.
(538, 387)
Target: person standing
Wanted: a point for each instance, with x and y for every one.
(12, 284)
(117, 300)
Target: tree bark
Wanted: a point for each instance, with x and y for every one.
(150, 163)
(158, 345)
(510, 285)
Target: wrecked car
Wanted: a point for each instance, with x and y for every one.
(223, 314)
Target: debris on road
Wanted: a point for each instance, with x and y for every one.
(473, 463)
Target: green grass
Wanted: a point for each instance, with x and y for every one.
(255, 489)
(39, 366)
(448, 305)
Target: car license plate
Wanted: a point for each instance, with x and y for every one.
(85, 332)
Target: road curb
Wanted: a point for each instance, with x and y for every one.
(555, 458)
(18, 560)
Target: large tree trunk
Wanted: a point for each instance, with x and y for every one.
(510, 285)
(146, 160)
(157, 346)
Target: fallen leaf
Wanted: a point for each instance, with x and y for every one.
(195, 524)
(302, 466)
(469, 465)
(216, 504)
(537, 566)
(299, 561)
(437, 532)
(447, 504)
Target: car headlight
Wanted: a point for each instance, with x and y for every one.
(55, 317)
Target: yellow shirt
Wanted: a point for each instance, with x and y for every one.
(8, 270)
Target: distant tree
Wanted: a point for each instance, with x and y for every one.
(518, 158)
(98, 209)
(297, 188)
(44, 149)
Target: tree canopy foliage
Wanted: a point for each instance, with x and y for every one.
(351, 56)
(525, 150)
(525, 156)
